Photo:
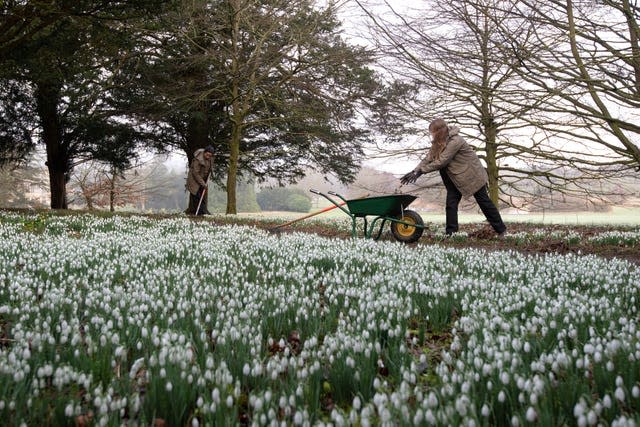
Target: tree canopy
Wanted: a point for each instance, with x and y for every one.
(55, 63)
(271, 85)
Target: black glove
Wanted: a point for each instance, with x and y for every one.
(410, 178)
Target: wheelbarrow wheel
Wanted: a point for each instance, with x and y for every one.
(408, 233)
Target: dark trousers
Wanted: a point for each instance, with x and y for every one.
(195, 199)
(482, 198)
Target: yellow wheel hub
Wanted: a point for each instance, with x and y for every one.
(406, 230)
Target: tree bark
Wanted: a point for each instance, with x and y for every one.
(232, 174)
(491, 151)
(58, 160)
(633, 40)
(112, 192)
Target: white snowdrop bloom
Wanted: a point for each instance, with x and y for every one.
(432, 400)
(297, 418)
(417, 417)
(619, 394)
(502, 396)
(356, 403)
(531, 415)
(169, 386)
(504, 377)
(635, 391)
(485, 411)
(229, 401)
(619, 381)
(592, 418)
(515, 422)
(606, 401)
(582, 421)
(258, 404)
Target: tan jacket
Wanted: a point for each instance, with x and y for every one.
(198, 171)
(461, 162)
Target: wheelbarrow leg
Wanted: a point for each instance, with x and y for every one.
(384, 221)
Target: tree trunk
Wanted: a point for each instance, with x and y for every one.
(633, 40)
(58, 161)
(88, 197)
(112, 192)
(491, 150)
(236, 112)
(232, 174)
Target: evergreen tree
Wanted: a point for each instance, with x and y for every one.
(271, 85)
(57, 76)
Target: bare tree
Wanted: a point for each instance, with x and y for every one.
(100, 185)
(462, 60)
(586, 55)
(445, 54)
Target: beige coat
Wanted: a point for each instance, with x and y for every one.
(198, 171)
(461, 162)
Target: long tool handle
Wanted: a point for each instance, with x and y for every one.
(308, 216)
(204, 191)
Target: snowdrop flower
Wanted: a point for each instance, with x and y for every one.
(531, 415)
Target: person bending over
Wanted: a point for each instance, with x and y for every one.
(461, 172)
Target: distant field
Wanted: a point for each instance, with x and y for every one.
(617, 216)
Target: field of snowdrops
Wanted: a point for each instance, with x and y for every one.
(136, 321)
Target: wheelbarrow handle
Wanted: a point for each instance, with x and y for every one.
(338, 205)
(333, 193)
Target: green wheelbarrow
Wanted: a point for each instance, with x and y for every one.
(406, 225)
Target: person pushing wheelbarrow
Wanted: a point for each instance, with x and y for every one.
(199, 172)
(461, 172)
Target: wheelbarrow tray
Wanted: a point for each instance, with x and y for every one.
(384, 206)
